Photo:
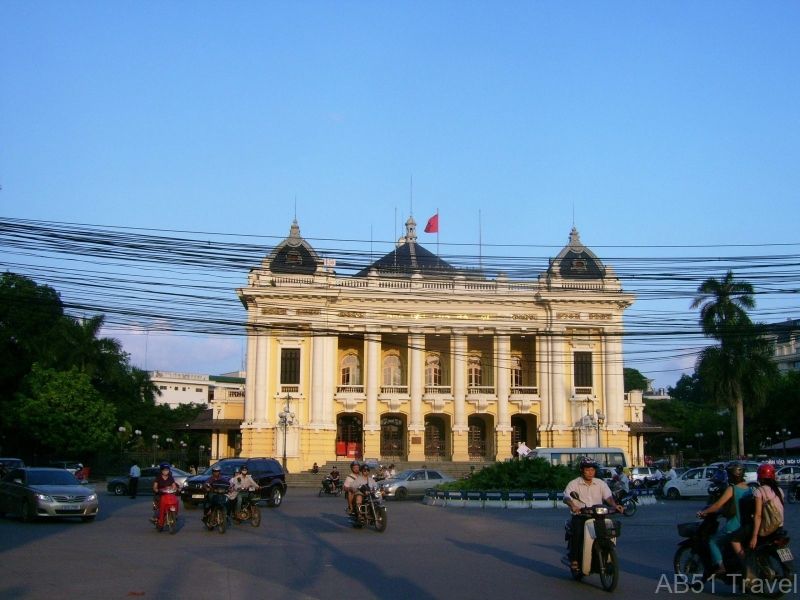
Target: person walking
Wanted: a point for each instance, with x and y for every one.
(133, 483)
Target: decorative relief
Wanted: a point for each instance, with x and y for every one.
(518, 317)
(308, 311)
(568, 315)
(273, 311)
(436, 316)
(593, 316)
(351, 314)
(600, 316)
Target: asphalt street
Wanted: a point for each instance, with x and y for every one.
(307, 549)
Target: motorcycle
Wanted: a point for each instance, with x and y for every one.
(371, 511)
(599, 552)
(658, 492)
(794, 490)
(715, 491)
(218, 514)
(629, 501)
(329, 488)
(773, 558)
(166, 503)
(250, 510)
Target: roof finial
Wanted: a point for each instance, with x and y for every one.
(411, 230)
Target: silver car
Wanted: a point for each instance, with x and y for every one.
(413, 482)
(52, 493)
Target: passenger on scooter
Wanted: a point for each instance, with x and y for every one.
(355, 467)
(769, 490)
(241, 484)
(164, 483)
(673, 474)
(720, 475)
(364, 478)
(590, 491)
(738, 490)
(621, 479)
(216, 477)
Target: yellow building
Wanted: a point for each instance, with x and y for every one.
(415, 359)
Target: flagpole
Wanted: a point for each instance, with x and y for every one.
(480, 244)
(437, 234)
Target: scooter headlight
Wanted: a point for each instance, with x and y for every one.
(600, 510)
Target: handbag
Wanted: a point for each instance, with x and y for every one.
(770, 518)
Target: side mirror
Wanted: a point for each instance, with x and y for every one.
(574, 496)
(19, 481)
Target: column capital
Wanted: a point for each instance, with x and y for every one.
(459, 331)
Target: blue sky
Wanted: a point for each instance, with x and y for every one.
(656, 124)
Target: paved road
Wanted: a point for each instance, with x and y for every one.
(306, 549)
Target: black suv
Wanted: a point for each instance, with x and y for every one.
(266, 472)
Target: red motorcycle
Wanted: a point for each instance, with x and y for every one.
(165, 511)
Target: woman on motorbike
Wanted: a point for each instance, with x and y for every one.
(164, 483)
(738, 490)
(769, 490)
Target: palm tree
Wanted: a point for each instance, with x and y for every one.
(740, 367)
(86, 350)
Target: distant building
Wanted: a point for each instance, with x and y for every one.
(785, 337)
(651, 394)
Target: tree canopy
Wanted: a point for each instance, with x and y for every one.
(634, 380)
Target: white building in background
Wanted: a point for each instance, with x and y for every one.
(184, 388)
(786, 340)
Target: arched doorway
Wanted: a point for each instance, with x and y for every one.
(435, 438)
(524, 428)
(349, 435)
(476, 442)
(393, 437)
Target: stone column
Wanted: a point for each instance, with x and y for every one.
(317, 378)
(503, 345)
(416, 351)
(372, 340)
(329, 372)
(460, 426)
(250, 378)
(558, 359)
(614, 379)
(544, 367)
(262, 370)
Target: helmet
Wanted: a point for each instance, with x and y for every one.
(766, 471)
(619, 468)
(720, 467)
(586, 462)
(365, 467)
(244, 468)
(735, 471)
(164, 465)
(79, 465)
(355, 463)
(237, 469)
(215, 469)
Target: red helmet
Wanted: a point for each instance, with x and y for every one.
(766, 471)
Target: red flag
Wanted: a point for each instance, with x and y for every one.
(433, 224)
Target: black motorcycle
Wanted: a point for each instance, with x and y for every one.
(773, 558)
(599, 551)
(629, 501)
(794, 491)
(328, 487)
(371, 511)
(715, 491)
(218, 514)
(250, 510)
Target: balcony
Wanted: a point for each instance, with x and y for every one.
(293, 388)
(583, 391)
(394, 389)
(437, 389)
(349, 389)
(524, 391)
(475, 390)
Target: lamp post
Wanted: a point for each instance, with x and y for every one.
(783, 434)
(699, 438)
(201, 451)
(285, 419)
(668, 442)
(719, 435)
(675, 452)
(601, 418)
(155, 449)
(121, 439)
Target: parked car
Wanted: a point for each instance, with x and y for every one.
(119, 486)
(12, 463)
(692, 483)
(639, 474)
(266, 472)
(786, 475)
(413, 482)
(43, 492)
(69, 465)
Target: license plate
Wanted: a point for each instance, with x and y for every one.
(70, 507)
(197, 496)
(785, 554)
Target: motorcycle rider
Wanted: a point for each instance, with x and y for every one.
(334, 478)
(621, 479)
(364, 478)
(164, 483)
(720, 475)
(355, 467)
(241, 484)
(591, 491)
(738, 490)
(216, 477)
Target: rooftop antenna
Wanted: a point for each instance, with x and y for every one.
(395, 236)
(411, 196)
(295, 207)
(370, 244)
(573, 215)
(480, 244)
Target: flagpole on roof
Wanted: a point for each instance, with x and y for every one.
(480, 244)
(438, 257)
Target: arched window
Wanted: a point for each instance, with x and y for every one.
(351, 370)
(516, 371)
(433, 371)
(474, 371)
(392, 373)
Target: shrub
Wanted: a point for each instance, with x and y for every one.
(526, 474)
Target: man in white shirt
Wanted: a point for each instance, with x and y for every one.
(522, 450)
(133, 483)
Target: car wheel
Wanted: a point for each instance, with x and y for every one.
(275, 497)
(88, 519)
(401, 493)
(120, 489)
(673, 494)
(26, 514)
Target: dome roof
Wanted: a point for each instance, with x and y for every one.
(409, 258)
(576, 261)
(294, 255)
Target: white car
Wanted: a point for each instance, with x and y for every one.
(786, 475)
(750, 471)
(693, 483)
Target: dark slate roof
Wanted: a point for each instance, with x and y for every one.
(293, 256)
(408, 259)
(576, 261)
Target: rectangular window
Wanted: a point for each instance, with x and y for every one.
(290, 366)
(583, 369)
(200, 390)
(162, 387)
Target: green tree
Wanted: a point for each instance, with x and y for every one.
(739, 368)
(688, 389)
(63, 412)
(634, 380)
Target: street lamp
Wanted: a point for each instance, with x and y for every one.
(285, 419)
(601, 418)
(699, 437)
(200, 462)
(783, 434)
(719, 435)
(155, 449)
(121, 438)
(668, 443)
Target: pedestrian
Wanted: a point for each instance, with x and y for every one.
(315, 468)
(522, 450)
(80, 475)
(192, 470)
(133, 483)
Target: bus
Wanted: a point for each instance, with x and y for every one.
(570, 457)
